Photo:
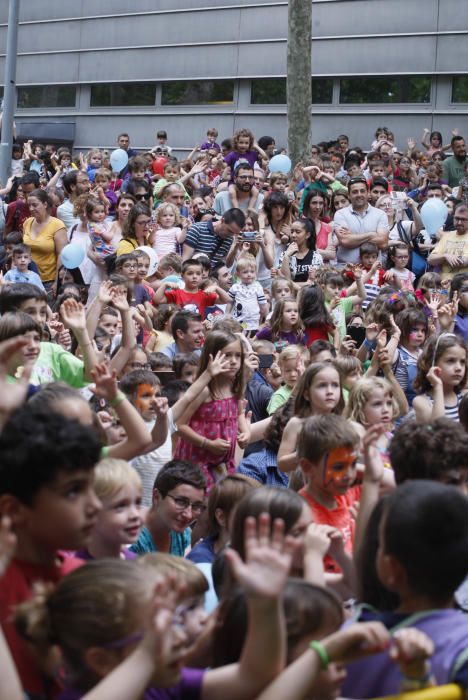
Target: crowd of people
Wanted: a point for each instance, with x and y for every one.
(233, 421)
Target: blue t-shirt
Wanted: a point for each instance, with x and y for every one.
(180, 543)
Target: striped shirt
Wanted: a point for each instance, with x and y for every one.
(203, 239)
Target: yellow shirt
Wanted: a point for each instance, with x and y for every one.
(43, 247)
(126, 245)
(452, 243)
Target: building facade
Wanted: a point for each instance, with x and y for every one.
(88, 69)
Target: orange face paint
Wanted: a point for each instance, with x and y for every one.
(338, 466)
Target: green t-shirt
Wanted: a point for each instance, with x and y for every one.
(278, 398)
(339, 313)
(55, 364)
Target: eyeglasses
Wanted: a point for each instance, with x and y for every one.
(182, 504)
(143, 223)
(139, 365)
(142, 196)
(130, 266)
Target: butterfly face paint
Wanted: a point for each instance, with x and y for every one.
(339, 466)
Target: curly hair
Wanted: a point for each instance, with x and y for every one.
(362, 392)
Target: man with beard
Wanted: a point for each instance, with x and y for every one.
(454, 166)
(243, 183)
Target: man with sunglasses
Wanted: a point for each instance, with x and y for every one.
(359, 223)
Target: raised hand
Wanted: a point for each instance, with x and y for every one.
(217, 364)
(73, 315)
(105, 381)
(119, 299)
(161, 406)
(105, 292)
(317, 539)
(373, 464)
(268, 558)
(433, 377)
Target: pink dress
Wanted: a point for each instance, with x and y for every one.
(214, 419)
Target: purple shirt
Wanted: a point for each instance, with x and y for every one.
(285, 337)
(86, 556)
(188, 688)
(234, 158)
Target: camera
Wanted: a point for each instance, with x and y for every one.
(249, 236)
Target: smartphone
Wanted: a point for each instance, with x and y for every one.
(357, 333)
(265, 361)
(249, 236)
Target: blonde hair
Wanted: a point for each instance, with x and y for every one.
(110, 475)
(360, 394)
(245, 262)
(291, 352)
(163, 564)
(164, 208)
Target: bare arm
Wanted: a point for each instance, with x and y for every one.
(287, 455)
(73, 317)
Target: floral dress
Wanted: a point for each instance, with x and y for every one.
(214, 419)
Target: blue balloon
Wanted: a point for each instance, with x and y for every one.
(433, 214)
(280, 164)
(118, 160)
(72, 256)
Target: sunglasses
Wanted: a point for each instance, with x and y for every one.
(139, 197)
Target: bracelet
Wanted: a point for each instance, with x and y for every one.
(322, 654)
(119, 397)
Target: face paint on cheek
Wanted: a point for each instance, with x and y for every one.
(337, 464)
(142, 391)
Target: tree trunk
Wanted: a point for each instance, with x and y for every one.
(299, 83)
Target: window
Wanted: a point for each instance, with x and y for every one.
(123, 95)
(385, 90)
(36, 96)
(460, 88)
(198, 92)
(272, 91)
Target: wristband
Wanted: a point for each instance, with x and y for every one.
(322, 654)
(119, 397)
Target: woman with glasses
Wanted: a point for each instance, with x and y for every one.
(136, 229)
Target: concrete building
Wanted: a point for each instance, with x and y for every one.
(88, 69)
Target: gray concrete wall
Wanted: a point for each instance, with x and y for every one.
(81, 42)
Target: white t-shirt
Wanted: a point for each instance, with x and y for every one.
(149, 465)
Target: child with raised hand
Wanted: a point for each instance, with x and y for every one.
(318, 392)
(441, 378)
(192, 297)
(285, 326)
(213, 425)
(46, 474)
(118, 487)
(110, 602)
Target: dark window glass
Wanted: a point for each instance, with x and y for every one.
(268, 91)
(272, 91)
(46, 96)
(460, 88)
(384, 90)
(198, 92)
(123, 95)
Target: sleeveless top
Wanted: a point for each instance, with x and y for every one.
(450, 412)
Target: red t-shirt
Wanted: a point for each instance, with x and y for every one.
(16, 215)
(16, 587)
(340, 517)
(319, 331)
(193, 302)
